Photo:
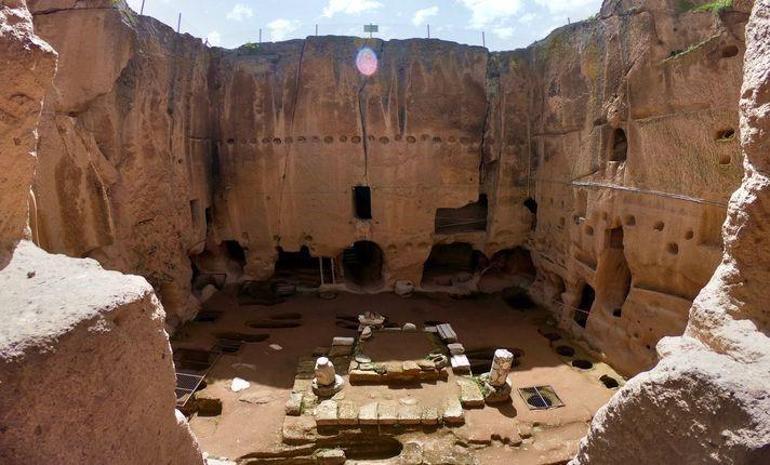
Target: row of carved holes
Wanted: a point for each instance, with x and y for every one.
(357, 140)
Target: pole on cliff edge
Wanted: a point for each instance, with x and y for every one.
(179, 23)
(141, 10)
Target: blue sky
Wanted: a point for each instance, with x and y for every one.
(508, 24)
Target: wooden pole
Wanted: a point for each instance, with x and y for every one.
(483, 39)
(179, 23)
(428, 31)
(260, 36)
(141, 10)
(316, 30)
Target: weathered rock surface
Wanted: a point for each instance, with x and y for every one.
(28, 64)
(708, 400)
(124, 150)
(75, 386)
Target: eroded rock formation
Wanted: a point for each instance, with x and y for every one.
(176, 154)
(75, 386)
(707, 401)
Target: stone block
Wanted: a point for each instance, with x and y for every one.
(387, 413)
(364, 377)
(409, 414)
(456, 348)
(208, 406)
(430, 416)
(446, 333)
(326, 413)
(330, 457)
(411, 369)
(460, 365)
(470, 394)
(343, 341)
(453, 412)
(294, 404)
(347, 413)
(367, 414)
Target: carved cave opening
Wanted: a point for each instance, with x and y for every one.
(619, 145)
(452, 264)
(301, 268)
(508, 268)
(362, 264)
(587, 297)
(470, 218)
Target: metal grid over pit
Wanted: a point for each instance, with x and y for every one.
(192, 366)
(540, 398)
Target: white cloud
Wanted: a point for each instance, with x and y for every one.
(503, 33)
(561, 6)
(214, 38)
(421, 15)
(487, 12)
(281, 29)
(350, 7)
(240, 12)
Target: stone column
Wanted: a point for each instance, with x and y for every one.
(501, 366)
(326, 382)
(324, 372)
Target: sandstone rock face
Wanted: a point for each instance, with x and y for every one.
(635, 152)
(28, 64)
(75, 386)
(606, 152)
(124, 149)
(716, 376)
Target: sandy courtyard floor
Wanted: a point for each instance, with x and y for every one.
(252, 420)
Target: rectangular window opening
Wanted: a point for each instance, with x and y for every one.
(362, 202)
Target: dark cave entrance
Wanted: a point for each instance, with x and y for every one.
(472, 217)
(615, 270)
(235, 252)
(619, 145)
(362, 264)
(508, 268)
(451, 264)
(587, 297)
(301, 268)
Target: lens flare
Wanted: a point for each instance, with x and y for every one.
(366, 61)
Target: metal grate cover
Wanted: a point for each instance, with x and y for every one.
(540, 398)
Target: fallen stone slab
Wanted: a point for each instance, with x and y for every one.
(456, 348)
(343, 341)
(460, 365)
(446, 333)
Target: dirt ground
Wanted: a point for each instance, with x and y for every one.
(251, 420)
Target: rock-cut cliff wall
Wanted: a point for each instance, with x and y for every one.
(708, 400)
(75, 386)
(607, 152)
